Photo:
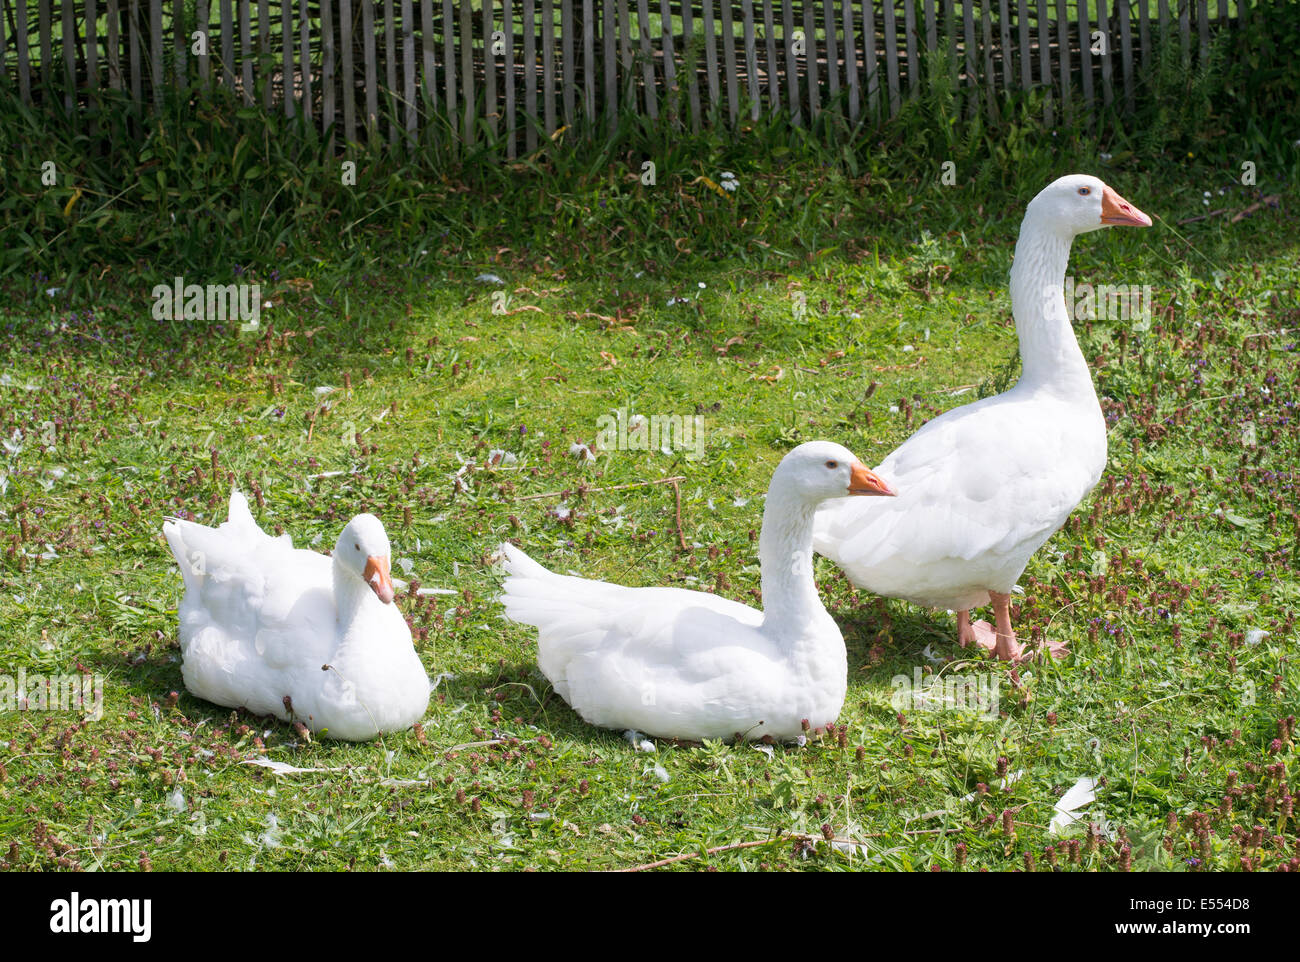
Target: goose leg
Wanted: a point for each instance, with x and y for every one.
(1006, 647)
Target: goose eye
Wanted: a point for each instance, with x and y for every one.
(832, 465)
(357, 546)
(1085, 191)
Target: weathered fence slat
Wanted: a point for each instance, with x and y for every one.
(265, 47)
(448, 59)
(1063, 56)
(647, 59)
(986, 31)
(548, 65)
(870, 61)
(113, 52)
(1026, 53)
(830, 25)
(390, 73)
(467, 68)
(913, 61)
(1085, 59)
(690, 64)
(69, 44)
(608, 35)
(92, 51)
(810, 57)
(1107, 45)
(891, 52)
(1045, 61)
(530, 75)
(627, 86)
(508, 52)
(1203, 25)
(787, 56)
(410, 80)
(972, 73)
(1004, 32)
(751, 59)
(349, 77)
(1126, 52)
(729, 61)
(304, 56)
(133, 47)
(772, 70)
(851, 63)
(226, 21)
(1144, 30)
(372, 67)
(491, 108)
(671, 89)
(327, 79)
(43, 16)
(950, 21)
(70, 58)
(589, 61)
(428, 50)
(246, 57)
(156, 79)
(566, 60)
(286, 42)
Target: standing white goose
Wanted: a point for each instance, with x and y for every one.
(686, 664)
(985, 485)
(291, 633)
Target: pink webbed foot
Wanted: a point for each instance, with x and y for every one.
(1057, 649)
(984, 635)
(979, 633)
(1007, 648)
(1001, 641)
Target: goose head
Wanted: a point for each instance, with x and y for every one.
(819, 470)
(1079, 203)
(363, 552)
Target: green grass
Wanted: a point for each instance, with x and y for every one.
(1188, 544)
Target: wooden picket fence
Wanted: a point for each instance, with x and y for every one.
(516, 71)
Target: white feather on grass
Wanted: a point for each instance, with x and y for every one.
(1081, 793)
(284, 768)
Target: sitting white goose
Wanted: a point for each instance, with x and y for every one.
(687, 664)
(291, 633)
(985, 485)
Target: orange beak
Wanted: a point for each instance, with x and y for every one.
(378, 578)
(866, 481)
(1117, 212)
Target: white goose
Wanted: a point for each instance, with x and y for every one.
(291, 633)
(686, 664)
(985, 485)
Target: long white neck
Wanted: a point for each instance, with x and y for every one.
(1049, 352)
(354, 602)
(790, 600)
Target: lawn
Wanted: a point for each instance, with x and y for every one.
(463, 375)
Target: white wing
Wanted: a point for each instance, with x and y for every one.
(979, 490)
